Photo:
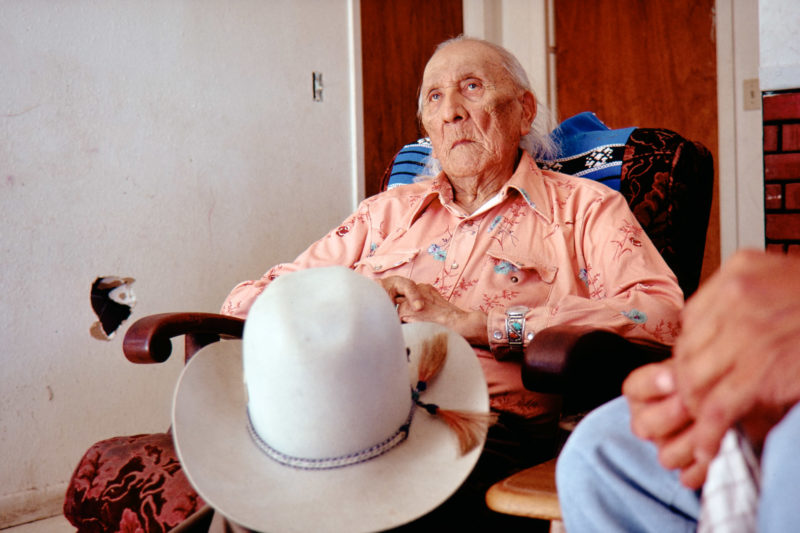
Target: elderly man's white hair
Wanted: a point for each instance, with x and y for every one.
(538, 142)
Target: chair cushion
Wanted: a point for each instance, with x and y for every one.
(130, 484)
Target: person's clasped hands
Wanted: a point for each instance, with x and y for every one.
(733, 366)
(421, 302)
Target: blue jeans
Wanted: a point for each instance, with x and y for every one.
(609, 480)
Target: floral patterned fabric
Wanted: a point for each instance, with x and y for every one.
(130, 485)
(667, 181)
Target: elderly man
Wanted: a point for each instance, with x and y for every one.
(494, 247)
(722, 415)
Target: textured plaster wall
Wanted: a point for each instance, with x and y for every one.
(175, 142)
(779, 46)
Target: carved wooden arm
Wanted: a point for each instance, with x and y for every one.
(148, 340)
(586, 365)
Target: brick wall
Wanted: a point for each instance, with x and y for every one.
(782, 171)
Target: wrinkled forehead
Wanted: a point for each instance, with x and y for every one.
(462, 60)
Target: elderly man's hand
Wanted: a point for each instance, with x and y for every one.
(659, 415)
(737, 359)
(423, 303)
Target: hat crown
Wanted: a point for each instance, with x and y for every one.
(325, 365)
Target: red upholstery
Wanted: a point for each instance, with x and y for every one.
(136, 484)
(668, 182)
(130, 484)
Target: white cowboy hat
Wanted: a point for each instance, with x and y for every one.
(318, 437)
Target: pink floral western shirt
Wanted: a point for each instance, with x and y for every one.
(568, 249)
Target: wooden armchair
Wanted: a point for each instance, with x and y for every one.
(137, 481)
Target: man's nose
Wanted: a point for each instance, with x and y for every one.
(453, 109)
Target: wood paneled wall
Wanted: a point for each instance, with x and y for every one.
(397, 38)
(643, 63)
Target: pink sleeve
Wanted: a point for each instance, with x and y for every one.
(633, 291)
(343, 245)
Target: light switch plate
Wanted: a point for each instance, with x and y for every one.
(752, 95)
(316, 85)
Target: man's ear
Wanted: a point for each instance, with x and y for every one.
(528, 102)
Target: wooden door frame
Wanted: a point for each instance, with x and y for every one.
(741, 186)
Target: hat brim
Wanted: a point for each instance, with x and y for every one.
(235, 477)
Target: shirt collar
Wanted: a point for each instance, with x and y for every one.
(527, 180)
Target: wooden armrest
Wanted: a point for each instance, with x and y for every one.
(148, 339)
(585, 365)
(530, 492)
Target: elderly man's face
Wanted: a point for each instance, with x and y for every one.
(472, 112)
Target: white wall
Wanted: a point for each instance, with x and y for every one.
(779, 45)
(168, 141)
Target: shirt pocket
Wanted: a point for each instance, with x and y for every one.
(522, 280)
(384, 264)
